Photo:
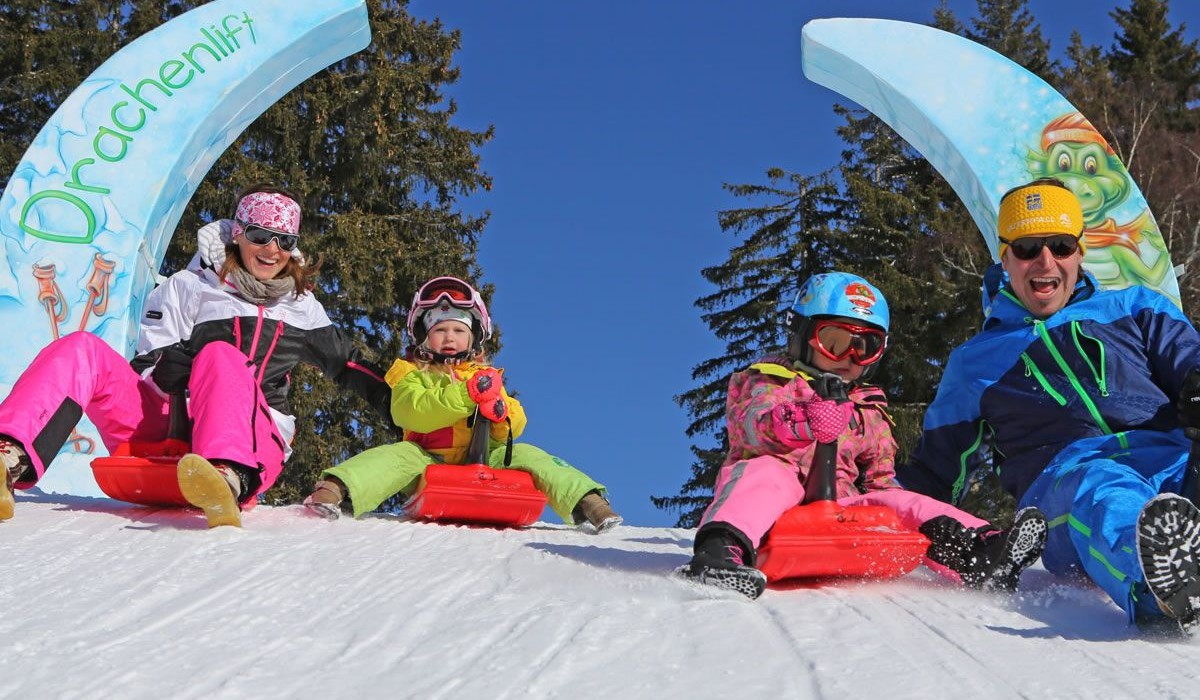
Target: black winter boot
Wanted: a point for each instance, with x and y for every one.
(719, 560)
(987, 560)
(1168, 542)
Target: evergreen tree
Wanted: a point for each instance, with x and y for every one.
(1149, 119)
(1137, 95)
(787, 238)
(48, 49)
(368, 145)
(895, 221)
(907, 232)
(1157, 58)
(1007, 27)
(1086, 79)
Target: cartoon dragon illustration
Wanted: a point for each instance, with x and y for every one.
(1118, 254)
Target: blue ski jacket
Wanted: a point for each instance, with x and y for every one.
(1109, 363)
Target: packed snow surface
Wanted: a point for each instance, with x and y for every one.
(104, 599)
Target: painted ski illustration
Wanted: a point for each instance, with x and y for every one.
(987, 124)
(86, 217)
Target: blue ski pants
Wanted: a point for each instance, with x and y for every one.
(1092, 493)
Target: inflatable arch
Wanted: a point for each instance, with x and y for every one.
(87, 215)
(987, 125)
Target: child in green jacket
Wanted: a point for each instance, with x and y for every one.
(434, 392)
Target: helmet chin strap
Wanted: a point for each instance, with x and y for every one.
(425, 354)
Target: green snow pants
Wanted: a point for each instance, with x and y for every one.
(381, 472)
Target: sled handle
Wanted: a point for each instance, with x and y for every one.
(179, 425)
(480, 431)
(821, 482)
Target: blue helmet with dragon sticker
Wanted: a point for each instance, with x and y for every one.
(844, 296)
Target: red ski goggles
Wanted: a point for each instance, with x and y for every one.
(838, 340)
(1061, 245)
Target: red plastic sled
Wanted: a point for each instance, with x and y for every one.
(142, 473)
(823, 539)
(475, 493)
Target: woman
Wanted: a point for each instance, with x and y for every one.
(229, 334)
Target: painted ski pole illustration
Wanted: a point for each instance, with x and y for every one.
(50, 296)
(987, 124)
(97, 289)
(92, 204)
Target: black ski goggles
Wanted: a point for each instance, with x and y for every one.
(1062, 245)
(262, 236)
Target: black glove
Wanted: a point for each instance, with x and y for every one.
(1189, 404)
(173, 369)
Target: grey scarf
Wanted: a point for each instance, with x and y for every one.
(257, 291)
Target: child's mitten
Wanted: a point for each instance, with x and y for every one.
(820, 420)
(495, 410)
(828, 419)
(485, 385)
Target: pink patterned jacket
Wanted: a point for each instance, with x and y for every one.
(866, 452)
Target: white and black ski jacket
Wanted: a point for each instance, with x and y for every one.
(193, 308)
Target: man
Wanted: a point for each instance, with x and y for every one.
(1070, 394)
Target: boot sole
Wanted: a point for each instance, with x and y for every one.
(1024, 546)
(604, 526)
(7, 504)
(204, 487)
(1168, 542)
(745, 580)
(327, 511)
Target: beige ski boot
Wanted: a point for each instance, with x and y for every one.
(212, 489)
(593, 514)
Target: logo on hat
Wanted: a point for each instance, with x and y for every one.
(1065, 220)
(1033, 201)
(861, 296)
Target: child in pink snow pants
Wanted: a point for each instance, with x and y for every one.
(837, 325)
(228, 333)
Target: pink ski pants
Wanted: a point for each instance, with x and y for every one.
(751, 494)
(80, 374)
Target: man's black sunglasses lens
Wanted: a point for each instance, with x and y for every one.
(1061, 246)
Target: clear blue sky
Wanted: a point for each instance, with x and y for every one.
(616, 124)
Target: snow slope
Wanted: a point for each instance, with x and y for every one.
(105, 599)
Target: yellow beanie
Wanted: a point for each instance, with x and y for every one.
(1039, 210)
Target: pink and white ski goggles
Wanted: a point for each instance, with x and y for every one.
(454, 292)
(262, 216)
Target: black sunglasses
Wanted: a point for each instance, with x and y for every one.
(1029, 247)
(262, 236)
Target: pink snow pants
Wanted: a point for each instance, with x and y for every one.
(751, 494)
(80, 374)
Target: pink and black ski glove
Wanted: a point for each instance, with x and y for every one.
(820, 420)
